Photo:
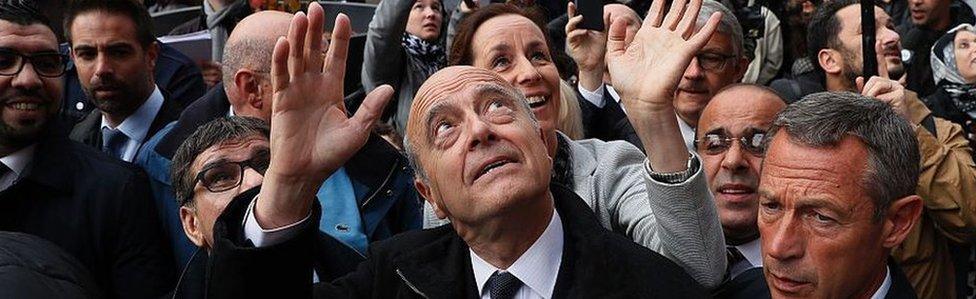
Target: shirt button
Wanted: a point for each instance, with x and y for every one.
(389, 192)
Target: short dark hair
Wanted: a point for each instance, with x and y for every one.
(213, 133)
(131, 9)
(823, 29)
(23, 12)
(461, 49)
(822, 120)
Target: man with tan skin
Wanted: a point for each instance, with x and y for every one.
(482, 163)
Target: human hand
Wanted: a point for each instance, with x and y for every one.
(883, 88)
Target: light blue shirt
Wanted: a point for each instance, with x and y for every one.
(340, 211)
(136, 126)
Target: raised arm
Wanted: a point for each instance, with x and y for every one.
(383, 57)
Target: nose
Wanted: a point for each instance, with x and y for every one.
(787, 240)
(733, 159)
(480, 133)
(430, 13)
(526, 73)
(27, 79)
(251, 179)
(889, 38)
(103, 67)
(694, 70)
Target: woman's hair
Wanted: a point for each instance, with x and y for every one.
(461, 51)
(570, 119)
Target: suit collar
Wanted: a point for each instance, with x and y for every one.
(211, 106)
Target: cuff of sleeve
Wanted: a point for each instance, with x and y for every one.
(261, 237)
(594, 97)
(674, 178)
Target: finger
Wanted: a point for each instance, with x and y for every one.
(655, 14)
(860, 84)
(674, 14)
(296, 42)
(573, 23)
(279, 65)
(372, 107)
(690, 19)
(882, 63)
(570, 9)
(617, 39)
(699, 39)
(875, 87)
(335, 60)
(575, 35)
(313, 38)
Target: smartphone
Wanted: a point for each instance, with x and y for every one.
(592, 12)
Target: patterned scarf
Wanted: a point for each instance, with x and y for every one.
(430, 57)
(562, 165)
(946, 72)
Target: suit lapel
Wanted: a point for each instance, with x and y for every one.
(88, 130)
(440, 269)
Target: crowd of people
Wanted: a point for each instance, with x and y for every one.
(478, 149)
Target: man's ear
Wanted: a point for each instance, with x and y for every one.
(425, 192)
(191, 226)
(900, 218)
(830, 61)
(152, 52)
(247, 87)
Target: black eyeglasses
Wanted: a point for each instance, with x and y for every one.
(48, 64)
(713, 61)
(224, 176)
(714, 144)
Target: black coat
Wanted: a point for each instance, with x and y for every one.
(96, 208)
(31, 267)
(608, 123)
(89, 129)
(435, 263)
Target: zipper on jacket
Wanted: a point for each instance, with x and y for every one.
(412, 287)
(382, 186)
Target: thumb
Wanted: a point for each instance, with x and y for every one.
(860, 84)
(372, 107)
(616, 39)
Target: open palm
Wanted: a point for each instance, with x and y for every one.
(646, 71)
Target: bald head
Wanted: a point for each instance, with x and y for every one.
(252, 41)
(742, 100)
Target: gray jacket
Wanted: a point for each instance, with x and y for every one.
(385, 60)
(679, 221)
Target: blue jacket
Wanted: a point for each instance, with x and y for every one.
(382, 180)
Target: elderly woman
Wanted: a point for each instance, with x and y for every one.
(610, 176)
(954, 70)
(404, 46)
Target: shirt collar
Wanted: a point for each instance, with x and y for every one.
(18, 161)
(613, 93)
(752, 251)
(688, 133)
(885, 286)
(136, 126)
(536, 268)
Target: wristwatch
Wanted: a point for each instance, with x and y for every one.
(677, 176)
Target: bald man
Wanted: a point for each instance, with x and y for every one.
(371, 197)
(730, 142)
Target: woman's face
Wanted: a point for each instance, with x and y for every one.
(965, 50)
(514, 47)
(425, 19)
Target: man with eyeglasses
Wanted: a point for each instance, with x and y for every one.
(719, 63)
(730, 143)
(94, 207)
(114, 52)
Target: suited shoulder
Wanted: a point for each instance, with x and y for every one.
(411, 241)
(609, 155)
(88, 161)
(649, 267)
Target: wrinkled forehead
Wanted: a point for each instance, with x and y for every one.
(27, 38)
(448, 84)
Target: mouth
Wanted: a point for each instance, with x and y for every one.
(735, 193)
(788, 285)
(492, 166)
(537, 101)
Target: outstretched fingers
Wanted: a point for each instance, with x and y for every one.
(687, 25)
(674, 14)
(335, 59)
(279, 65)
(617, 39)
(372, 107)
(655, 14)
(313, 38)
(699, 39)
(296, 41)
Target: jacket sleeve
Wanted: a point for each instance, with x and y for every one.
(678, 221)
(947, 181)
(143, 265)
(383, 57)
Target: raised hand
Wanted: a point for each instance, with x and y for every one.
(587, 47)
(311, 134)
(883, 88)
(646, 71)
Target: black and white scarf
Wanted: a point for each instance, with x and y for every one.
(429, 57)
(946, 72)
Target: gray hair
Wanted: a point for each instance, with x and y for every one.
(824, 119)
(411, 151)
(213, 133)
(728, 25)
(248, 52)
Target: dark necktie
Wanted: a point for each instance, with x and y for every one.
(503, 285)
(737, 262)
(113, 141)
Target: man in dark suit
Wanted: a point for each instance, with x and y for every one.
(114, 52)
(481, 161)
(94, 207)
(836, 195)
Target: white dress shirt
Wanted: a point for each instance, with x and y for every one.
(136, 126)
(885, 286)
(537, 268)
(752, 251)
(17, 162)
